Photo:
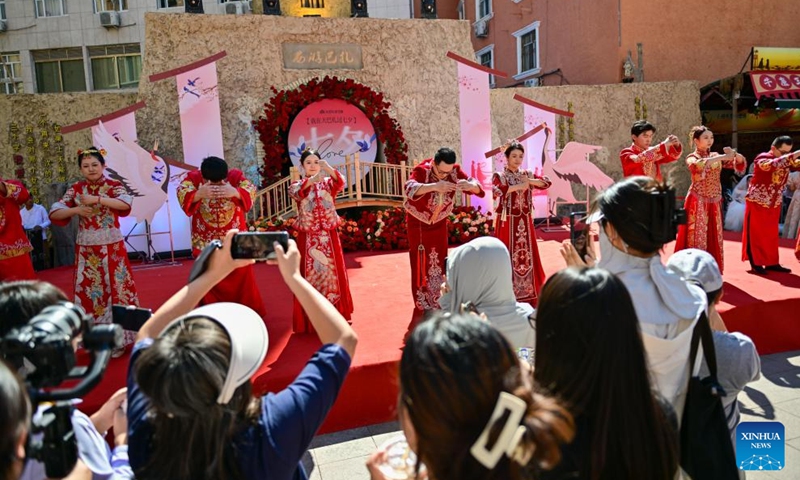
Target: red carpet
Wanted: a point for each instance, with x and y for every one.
(758, 306)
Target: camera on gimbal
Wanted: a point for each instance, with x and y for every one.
(43, 352)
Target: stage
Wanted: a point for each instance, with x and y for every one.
(759, 306)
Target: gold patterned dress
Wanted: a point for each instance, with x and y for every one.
(318, 239)
(211, 219)
(703, 229)
(514, 228)
(102, 270)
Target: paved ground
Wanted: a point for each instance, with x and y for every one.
(775, 397)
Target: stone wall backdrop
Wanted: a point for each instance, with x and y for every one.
(403, 59)
(603, 116)
(43, 112)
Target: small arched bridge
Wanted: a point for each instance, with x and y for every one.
(367, 184)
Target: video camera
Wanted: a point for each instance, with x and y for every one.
(43, 353)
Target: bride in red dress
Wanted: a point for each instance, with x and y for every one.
(318, 237)
(703, 229)
(514, 227)
(102, 270)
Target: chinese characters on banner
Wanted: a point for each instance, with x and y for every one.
(305, 56)
(776, 84)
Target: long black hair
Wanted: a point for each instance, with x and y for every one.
(642, 211)
(452, 371)
(182, 374)
(590, 356)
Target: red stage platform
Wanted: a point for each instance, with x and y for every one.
(758, 306)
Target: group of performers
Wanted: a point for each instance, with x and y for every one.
(217, 198)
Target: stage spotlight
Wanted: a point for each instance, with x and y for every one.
(272, 7)
(428, 8)
(358, 8)
(194, 6)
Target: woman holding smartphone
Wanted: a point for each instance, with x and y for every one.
(318, 237)
(514, 227)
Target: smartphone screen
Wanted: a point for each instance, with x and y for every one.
(579, 232)
(257, 245)
(129, 317)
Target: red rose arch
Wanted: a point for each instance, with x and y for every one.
(279, 112)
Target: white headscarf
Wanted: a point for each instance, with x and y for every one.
(480, 272)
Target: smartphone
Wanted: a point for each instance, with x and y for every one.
(579, 232)
(130, 317)
(257, 245)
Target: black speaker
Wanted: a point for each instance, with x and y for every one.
(428, 8)
(358, 8)
(194, 6)
(272, 7)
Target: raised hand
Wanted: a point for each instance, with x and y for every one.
(205, 191)
(288, 260)
(444, 186)
(226, 190)
(222, 262)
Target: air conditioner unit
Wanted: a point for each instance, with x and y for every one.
(532, 82)
(237, 8)
(481, 28)
(3, 26)
(109, 19)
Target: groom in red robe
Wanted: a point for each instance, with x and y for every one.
(15, 263)
(642, 159)
(430, 197)
(762, 211)
(217, 198)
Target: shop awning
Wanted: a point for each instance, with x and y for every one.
(775, 73)
(782, 84)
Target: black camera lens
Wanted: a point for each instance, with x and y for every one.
(65, 318)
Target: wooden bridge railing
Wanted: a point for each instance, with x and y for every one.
(366, 183)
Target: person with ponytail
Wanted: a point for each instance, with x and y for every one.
(590, 356)
(192, 413)
(103, 275)
(703, 229)
(638, 216)
(513, 187)
(469, 408)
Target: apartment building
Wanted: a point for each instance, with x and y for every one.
(588, 42)
(54, 46)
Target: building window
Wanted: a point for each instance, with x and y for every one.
(59, 70)
(312, 3)
(527, 51)
(483, 8)
(2, 9)
(10, 73)
(116, 66)
(110, 6)
(485, 57)
(170, 3)
(50, 8)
